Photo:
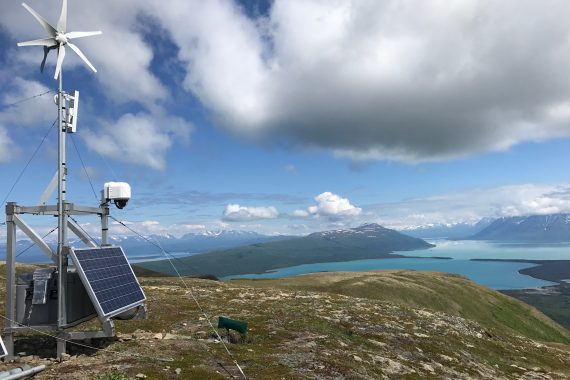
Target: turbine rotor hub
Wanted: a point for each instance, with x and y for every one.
(61, 38)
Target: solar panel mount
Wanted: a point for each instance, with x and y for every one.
(108, 279)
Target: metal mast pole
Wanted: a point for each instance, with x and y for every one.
(62, 223)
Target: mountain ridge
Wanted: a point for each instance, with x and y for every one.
(543, 228)
(369, 241)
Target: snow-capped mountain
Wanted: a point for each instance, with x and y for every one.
(139, 246)
(371, 235)
(544, 228)
(448, 230)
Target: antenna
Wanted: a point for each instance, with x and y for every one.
(71, 119)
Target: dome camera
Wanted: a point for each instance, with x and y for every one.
(117, 192)
(120, 203)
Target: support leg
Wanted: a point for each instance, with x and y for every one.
(10, 279)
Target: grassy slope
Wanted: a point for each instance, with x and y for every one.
(448, 293)
(331, 325)
(553, 301)
(262, 257)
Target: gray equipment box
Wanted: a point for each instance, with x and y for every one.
(36, 299)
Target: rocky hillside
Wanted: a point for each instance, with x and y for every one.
(374, 325)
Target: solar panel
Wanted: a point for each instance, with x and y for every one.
(108, 278)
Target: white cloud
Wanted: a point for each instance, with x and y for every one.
(32, 112)
(395, 80)
(7, 150)
(237, 213)
(223, 52)
(370, 80)
(470, 205)
(300, 214)
(147, 227)
(140, 139)
(20, 108)
(331, 206)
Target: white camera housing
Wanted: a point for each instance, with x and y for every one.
(118, 192)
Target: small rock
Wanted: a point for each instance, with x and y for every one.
(26, 359)
(140, 376)
(124, 337)
(428, 367)
(157, 336)
(357, 358)
(311, 345)
(169, 336)
(178, 371)
(479, 335)
(518, 367)
(376, 343)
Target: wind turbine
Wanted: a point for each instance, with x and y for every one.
(58, 38)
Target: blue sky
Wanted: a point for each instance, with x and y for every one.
(297, 116)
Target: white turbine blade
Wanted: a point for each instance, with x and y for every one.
(50, 29)
(81, 55)
(60, 56)
(41, 42)
(72, 35)
(62, 23)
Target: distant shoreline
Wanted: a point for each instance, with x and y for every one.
(548, 270)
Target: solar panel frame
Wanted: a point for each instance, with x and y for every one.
(108, 278)
(3, 347)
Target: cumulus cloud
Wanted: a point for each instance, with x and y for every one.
(369, 80)
(140, 139)
(331, 206)
(396, 80)
(237, 213)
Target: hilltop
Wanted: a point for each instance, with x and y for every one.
(370, 241)
(372, 325)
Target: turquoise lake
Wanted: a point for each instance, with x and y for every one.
(495, 275)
